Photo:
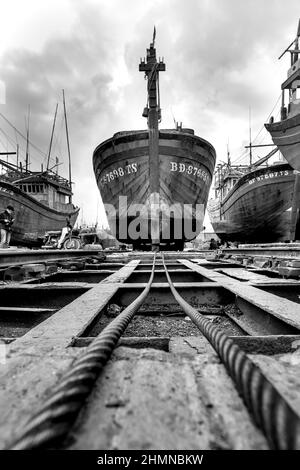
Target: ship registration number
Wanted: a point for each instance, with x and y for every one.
(118, 173)
(267, 176)
(189, 169)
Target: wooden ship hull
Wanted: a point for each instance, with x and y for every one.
(286, 132)
(258, 207)
(286, 136)
(32, 218)
(186, 163)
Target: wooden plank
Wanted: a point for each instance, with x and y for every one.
(137, 342)
(274, 344)
(47, 286)
(281, 308)
(243, 275)
(27, 309)
(72, 320)
(41, 356)
(151, 399)
(16, 257)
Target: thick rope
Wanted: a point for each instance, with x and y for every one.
(279, 422)
(52, 422)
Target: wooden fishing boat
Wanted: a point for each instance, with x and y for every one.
(286, 133)
(42, 200)
(167, 172)
(41, 203)
(253, 204)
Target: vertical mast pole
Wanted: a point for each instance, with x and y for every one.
(27, 141)
(152, 68)
(51, 139)
(17, 155)
(68, 145)
(250, 137)
(228, 154)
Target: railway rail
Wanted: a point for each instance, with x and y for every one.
(152, 352)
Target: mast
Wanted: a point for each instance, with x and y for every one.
(295, 52)
(68, 145)
(51, 139)
(27, 141)
(228, 155)
(153, 113)
(17, 155)
(250, 137)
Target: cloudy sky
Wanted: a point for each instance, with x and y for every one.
(221, 58)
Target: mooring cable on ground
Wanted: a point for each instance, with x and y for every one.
(52, 422)
(279, 422)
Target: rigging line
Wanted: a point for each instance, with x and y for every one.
(8, 137)
(24, 137)
(263, 127)
(16, 137)
(152, 75)
(14, 144)
(57, 138)
(3, 145)
(242, 156)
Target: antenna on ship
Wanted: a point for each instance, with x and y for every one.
(68, 145)
(151, 67)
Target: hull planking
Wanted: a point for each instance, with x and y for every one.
(186, 164)
(258, 208)
(32, 218)
(286, 136)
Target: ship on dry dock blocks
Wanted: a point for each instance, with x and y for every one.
(155, 167)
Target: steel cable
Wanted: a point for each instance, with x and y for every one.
(279, 422)
(52, 422)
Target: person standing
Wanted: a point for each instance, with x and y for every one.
(65, 231)
(213, 245)
(6, 222)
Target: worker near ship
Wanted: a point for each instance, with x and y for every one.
(213, 244)
(6, 222)
(66, 230)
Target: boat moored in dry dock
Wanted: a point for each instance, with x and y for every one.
(155, 168)
(286, 132)
(253, 203)
(42, 200)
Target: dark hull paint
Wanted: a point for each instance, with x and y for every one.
(32, 218)
(257, 209)
(186, 165)
(286, 135)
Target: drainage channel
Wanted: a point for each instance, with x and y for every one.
(165, 385)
